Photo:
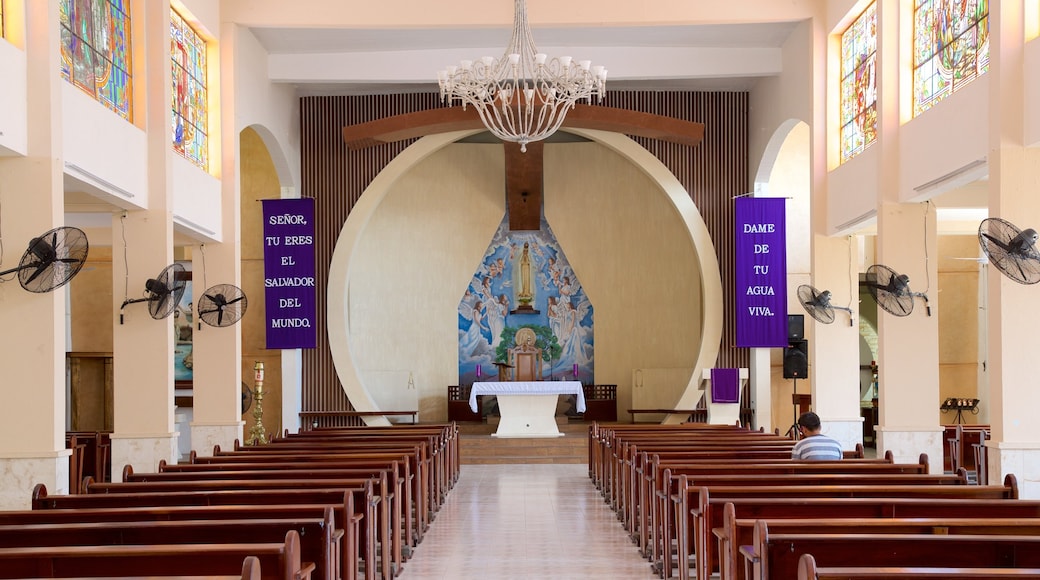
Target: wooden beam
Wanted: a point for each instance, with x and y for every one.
(524, 185)
(443, 120)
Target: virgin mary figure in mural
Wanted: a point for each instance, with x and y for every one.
(525, 276)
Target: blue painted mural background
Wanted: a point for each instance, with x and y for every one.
(488, 320)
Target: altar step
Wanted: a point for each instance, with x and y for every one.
(477, 446)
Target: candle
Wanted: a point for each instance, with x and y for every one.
(478, 371)
(575, 370)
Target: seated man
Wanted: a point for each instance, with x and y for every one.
(815, 445)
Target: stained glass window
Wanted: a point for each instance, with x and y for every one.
(190, 110)
(858, 88)
(95, 50)
(951, 47)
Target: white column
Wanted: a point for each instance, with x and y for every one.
(834, 347)
(218, 351)
(761, 389)
(1013, 317)
(908, 347)
(32, 417)
(143, 347)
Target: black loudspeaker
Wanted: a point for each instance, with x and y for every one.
(796, 360)
(795, 328)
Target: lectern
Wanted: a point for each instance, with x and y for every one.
(503, 371)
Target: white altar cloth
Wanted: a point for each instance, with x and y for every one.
(528, 388)
(528, 408)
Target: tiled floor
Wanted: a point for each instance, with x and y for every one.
(510, 522)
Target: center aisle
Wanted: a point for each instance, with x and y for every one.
(511, 522)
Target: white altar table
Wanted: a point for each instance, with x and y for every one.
(528, 408)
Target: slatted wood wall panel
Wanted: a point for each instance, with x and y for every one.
(335, 177)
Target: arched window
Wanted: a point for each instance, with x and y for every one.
(190, 97)
(951, 47)
(858, 87)
(95, 50)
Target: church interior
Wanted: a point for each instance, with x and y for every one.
(156, 148)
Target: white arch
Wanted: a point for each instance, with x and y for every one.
(772, 150)
(276, 151)
(350, 235)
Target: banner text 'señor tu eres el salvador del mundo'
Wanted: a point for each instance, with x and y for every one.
(289, 290)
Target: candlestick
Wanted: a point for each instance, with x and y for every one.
(256, 432)
(575, 370)
(478, 371)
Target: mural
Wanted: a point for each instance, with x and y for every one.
(525, 282)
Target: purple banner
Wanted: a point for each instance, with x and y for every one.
(289, 273)
(761, 272)
(725, 386)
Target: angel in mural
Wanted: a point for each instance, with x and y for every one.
(472, 342)
(574, 334)
(496, 317)
(555, 318)
(567, 290)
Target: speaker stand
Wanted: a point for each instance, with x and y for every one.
(793, 431)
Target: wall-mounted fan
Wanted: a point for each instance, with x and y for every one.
(162, 293)
(222, 305)
(1011, 251)
(892, 291)
(818, 304)
(247, 397)
(51, 259)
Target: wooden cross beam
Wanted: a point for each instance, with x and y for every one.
(523, 170)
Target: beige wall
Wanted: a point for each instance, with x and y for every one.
(623, 237)
(90, 295)
(259, 181)
(958, 321)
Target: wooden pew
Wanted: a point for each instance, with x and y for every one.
(379, 518)
(390, 475)
(441, 439)
(343, 559)
(775, 556)
(706, 514)
(981, 526)
(662, 483)
(416, 490)
(317, 544)
(250, 571)
(645, 501)
(277, 561)
(411, 507)
(428, 489)
(342, 501)
(604, 441)
(808, 570)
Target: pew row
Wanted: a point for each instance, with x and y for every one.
(276, 561)
(347, 517)
(705, 513)
(312, 544)
(775, 556)
(808, 570)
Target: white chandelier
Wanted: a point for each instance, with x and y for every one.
(523, 96)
